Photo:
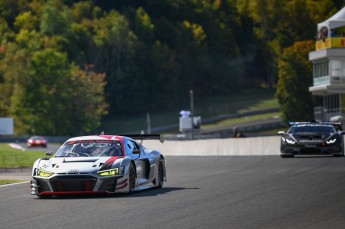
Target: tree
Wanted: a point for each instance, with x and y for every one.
(55, 19)
(13, 69)
(88, 103)
(48, 95)
(295, 76)
(115, 45)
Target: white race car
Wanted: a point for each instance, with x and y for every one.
(99, 164)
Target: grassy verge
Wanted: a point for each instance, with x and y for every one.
(3, 182)
(236, 121)
(14, 158)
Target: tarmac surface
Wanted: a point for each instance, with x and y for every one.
(244, 192)
(249, 146)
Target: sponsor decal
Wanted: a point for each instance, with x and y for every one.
(91, 141)
(73, 171)
(310, 141)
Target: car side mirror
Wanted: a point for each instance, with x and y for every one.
(48, 154)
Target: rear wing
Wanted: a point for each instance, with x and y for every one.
(143, 136)
(146, 137)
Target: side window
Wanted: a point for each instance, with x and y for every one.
(136, 146)
(129, 146)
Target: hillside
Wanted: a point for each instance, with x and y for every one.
(242, 107)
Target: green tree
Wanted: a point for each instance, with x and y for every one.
(88, 100)
(59, 98)
(14, 67)
(115, 46)
(295, 76)
(55, 19)
(46, 94)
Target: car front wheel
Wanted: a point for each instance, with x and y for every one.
(160, 174)
(131, 181)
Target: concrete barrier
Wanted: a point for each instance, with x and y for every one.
(221, 147)
(269, 145)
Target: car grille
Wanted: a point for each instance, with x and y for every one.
(311, 151)
(310, 137)
(73, 183)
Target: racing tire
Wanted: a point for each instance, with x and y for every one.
(160, 174)
(286, 156)
(131, 179)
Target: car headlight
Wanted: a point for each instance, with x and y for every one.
(331, 141)
(44, 173)
(111, 172)
(288, 141)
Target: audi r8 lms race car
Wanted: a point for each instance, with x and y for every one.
(37, 141)
(99, 164)
(312, 138)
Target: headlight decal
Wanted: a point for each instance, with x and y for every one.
(111, 172)
(331, 141)
(289, 141)
(44, 173)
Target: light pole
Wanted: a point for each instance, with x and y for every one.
(148, 119)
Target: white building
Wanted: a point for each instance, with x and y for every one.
(329, 67)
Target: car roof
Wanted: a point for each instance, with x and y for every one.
(336, 125)
(312, 124)
(96, 137)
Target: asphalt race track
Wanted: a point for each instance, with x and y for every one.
(201, 192)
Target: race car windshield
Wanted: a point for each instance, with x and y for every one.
(90, 149)
(312, 129)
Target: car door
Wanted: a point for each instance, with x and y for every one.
(141, 161)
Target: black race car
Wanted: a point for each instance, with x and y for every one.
(312, 138)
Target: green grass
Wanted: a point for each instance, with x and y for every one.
(2, 182)
(260, 105)
(14, 158)
(235, 121)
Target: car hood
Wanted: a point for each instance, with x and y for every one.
(77, 165)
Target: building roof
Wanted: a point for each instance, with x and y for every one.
(337, 20)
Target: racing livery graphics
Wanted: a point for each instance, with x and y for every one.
(99, 164)
(312, 138)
